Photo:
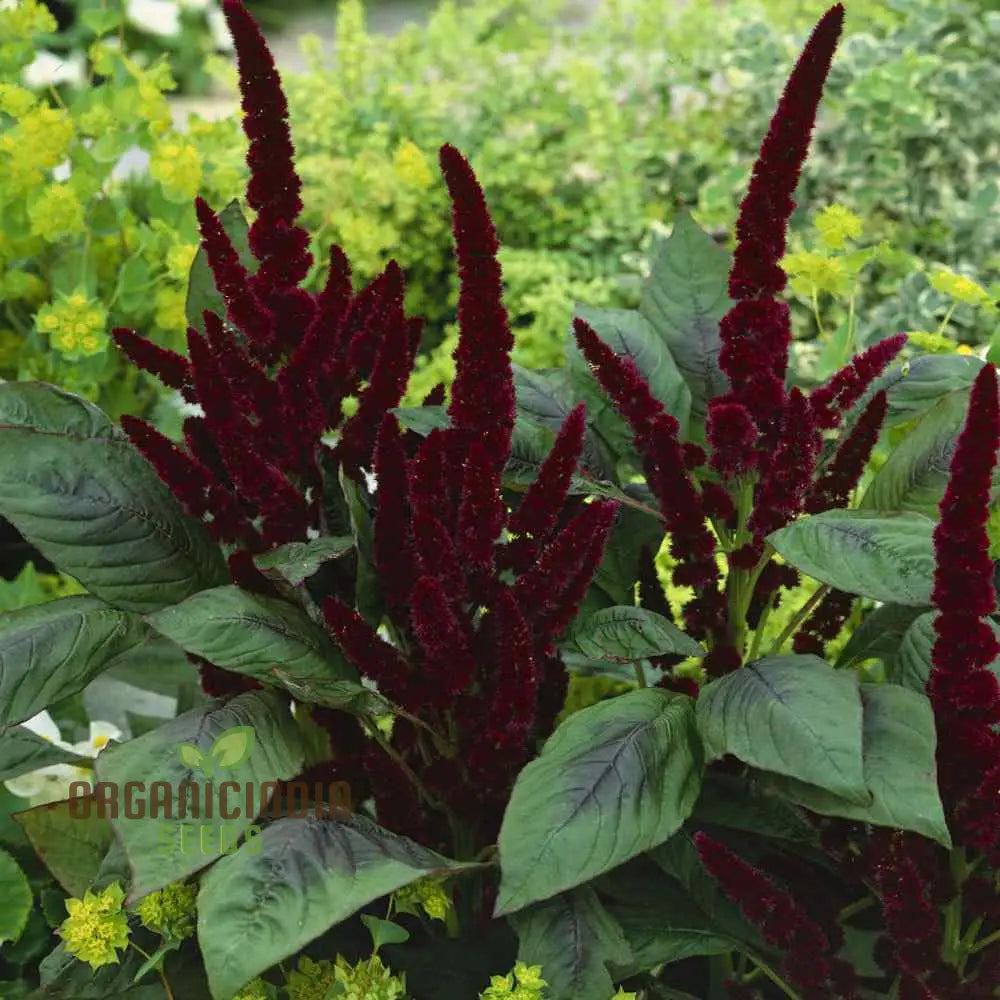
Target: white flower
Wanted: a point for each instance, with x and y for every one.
(51, 784)
(220, 30)
(155, 17)
(48, 68)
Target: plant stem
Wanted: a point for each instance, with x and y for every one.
(858, 906)
(640, 673)
(774, 977)
(411, 775)
(758, 634)
(985, 943)
(799, 617)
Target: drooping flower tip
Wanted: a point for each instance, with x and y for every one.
(170, 368)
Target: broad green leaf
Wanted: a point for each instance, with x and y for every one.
(17, 898)
(911, 666)
(51, 651)
(615, 578)
(546, 398)
(916, 472)
(629, 335)
(22, 751)
(233, 747)
(574, 939)
(291, 883)
(886, 556)
(297, 561)
(914, 387)
(530, 445)
(684, 300)
(791, 715)
(678, 857)
(879, 634)
(74, 486)
(202, 293)
(100, 21)
(164, 844)
(613, 780)
(71, 840)
(624, 634)
(384, 931)
(899, 767)
(423, 419)
(660, 920)
(739, 803)
(258, 636)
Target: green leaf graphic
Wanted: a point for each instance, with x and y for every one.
(233, 747)
(191, 756)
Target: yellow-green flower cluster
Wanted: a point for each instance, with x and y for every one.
(368, 980)
(936, 343)
(76, 325)
(170, 911)
(176, 164)
(811, 273)
(836, 226)
(96, 926)
(23, 19)
(15, 101)
(960, 288)
(427, 894)
(256, 989)
(523, 983)
(57, 213)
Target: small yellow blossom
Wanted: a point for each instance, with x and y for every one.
(311, 980)
(811, 273)
(368, 980)
(523, 983)
(57, 213)
(96, 926)
(931, 343)
(76, 325)
(427, 894)
(176, 164)
(959, 287)
(411, 165)
(46, 132)
(836, 226)
(256, 989)
(22, 20)
(96, 121)
(15, 101)
(180, 257)
(171, 303)
(170, 911)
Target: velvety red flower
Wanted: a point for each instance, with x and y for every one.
(834, 487)
(169, 367)
(482, 395)
(835, 397)
(447, 664)
(481, 513)
(824, 624)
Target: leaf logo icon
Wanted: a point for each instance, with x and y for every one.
(231, 749)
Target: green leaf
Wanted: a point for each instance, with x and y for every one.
(164, 845)
(911, 666)
(624, 634)
(916, 472)
(740, 803)
(886, 556)
(261, 637)
(71, 841)
(791, 715)
(291, 883)
(879, 634)
(574, 939)
(17, 898)
(629, 335)
(914, 387)
(297, 561)
(100, 21)
(51, 651)
(660, 920)
(613, 780)
(202, 293)
(156, 959)
(423, 419)
(74, 486)
(233, 747)
(684, 299)
(22, 751)
(384, 931)
(899, 767)
(368, 594)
